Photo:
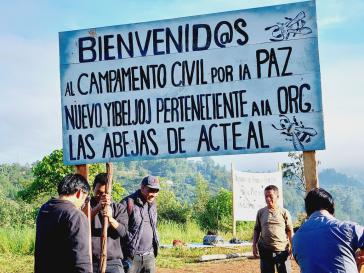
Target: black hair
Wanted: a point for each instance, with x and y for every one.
(271, 188)
(101, 179)
(71, 183)
(318, 199)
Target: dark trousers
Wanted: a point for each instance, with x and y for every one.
(143, 264)
(270, 259)
(112, 266)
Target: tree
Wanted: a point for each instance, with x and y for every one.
(48, 173)
(118, 192)
(218, 212)
(293, 172)
(15, 213)
(202, 196)
(13, 178)
(169, 209)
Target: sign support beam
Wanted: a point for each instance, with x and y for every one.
(310, 170)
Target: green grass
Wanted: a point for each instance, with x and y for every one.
(17, 246)
(11, 263)
(192, 233)
(17, 241)
(178, 257)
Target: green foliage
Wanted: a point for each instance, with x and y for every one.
(169, 208)
(189, 232)
(349, 202)
(245, 230)
(47, 174)
(293, 173)
(293, 199)
(202, 196)
(118, 192)
(13, 178)
(17, 241)
(16, 213)
(182, 172)
(218, 212)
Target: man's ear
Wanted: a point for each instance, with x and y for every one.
(78, 194)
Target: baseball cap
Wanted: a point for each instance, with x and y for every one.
(151, 182)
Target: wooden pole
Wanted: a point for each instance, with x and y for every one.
(310, 170)
(360, 260)
(105, 224)
(233, 189)
(83, 170)
(280, 169)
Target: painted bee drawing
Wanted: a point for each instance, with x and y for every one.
(296, 132)
(295, 26)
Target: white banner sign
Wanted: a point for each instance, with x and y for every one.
(245, 81)
(248, 191)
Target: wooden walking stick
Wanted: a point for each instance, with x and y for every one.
(359, 256)
(83, 170)
(105, 224)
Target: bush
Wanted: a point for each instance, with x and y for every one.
(16, 213)
(218, 212)
(169, 209)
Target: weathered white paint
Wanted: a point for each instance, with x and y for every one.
(269, 132)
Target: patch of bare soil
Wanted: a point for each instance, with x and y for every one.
(226, 266)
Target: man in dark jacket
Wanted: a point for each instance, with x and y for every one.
(118, 218)
(142, 239)
(62, 232)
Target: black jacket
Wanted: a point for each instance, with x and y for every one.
(61, 243)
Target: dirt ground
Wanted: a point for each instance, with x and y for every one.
(226, 266)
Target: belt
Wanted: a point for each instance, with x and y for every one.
(144, 254)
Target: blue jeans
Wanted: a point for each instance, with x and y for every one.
(112, 266)
(270, 259)
(143, 264)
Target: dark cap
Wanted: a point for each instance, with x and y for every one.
(151, 182)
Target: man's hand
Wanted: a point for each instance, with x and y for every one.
(107, 212)
(255, 251)
(105, 200)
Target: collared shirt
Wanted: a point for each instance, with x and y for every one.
(326, 244)
(273, 226)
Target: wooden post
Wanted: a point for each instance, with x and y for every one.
(105, 224)
(310, 170)
(83, 170)
(359, 256)
(233, 190)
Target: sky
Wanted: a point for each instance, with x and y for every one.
(30, 103)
